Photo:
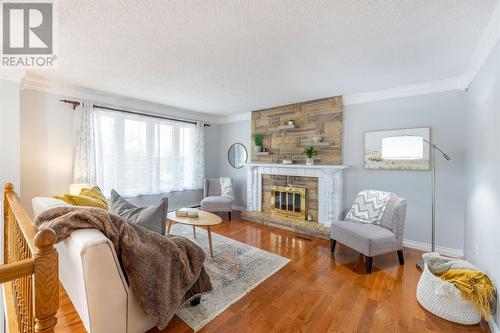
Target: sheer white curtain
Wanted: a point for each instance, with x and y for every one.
(144, 155)
(84, 167)
(199, 156)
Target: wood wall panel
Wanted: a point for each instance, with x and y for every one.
(322, 117)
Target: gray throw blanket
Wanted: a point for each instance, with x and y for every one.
(164, 272)
(438, 264)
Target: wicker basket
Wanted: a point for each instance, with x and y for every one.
(443, 299)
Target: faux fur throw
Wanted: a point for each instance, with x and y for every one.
(164, 272)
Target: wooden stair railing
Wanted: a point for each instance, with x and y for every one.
(29, 274)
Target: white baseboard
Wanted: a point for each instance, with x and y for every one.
(493, 325)
(455, 253)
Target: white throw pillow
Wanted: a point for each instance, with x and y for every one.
(226, 187)
(368, 207)
(43, 203)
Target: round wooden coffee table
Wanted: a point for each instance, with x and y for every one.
(204, 219)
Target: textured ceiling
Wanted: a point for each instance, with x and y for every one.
(229, 56)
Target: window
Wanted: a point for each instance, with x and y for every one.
(144, 155)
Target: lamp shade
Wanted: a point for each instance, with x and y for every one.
(403, 148)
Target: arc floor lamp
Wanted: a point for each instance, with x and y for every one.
(409, 147)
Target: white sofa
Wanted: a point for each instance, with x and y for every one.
(91, 274)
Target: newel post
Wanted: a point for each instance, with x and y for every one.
(46, 280)
(8, 187)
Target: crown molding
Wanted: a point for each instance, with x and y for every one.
(456, 83)
(459, 83)
(485, 45)
(113, 100)
(38, 84)
(235, 118)
(16, 75)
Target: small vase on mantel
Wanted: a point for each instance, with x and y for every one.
(258, 149)
(310, 161)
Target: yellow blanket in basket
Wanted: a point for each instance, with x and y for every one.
(474, 286)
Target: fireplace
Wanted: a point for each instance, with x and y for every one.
(320, 186)
(289, 201)
(323, 196)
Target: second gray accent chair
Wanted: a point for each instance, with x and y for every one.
(372, 239)
(213, 201)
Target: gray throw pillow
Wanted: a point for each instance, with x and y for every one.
(152, 217)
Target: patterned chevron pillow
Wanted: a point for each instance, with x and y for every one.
(368, 207)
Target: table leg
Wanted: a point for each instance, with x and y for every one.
(210, 241)
(194, 231)
(169, 226)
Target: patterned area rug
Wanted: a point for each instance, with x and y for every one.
(235, 270)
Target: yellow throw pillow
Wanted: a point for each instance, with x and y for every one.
(92, 197)
(95, 193)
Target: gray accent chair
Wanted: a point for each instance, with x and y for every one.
(213, 201)
(371, 239)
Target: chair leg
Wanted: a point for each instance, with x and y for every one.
(333, 242)
(229, 215)
(368, 264)
(401, 257)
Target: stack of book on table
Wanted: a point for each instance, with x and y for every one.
(187, 212)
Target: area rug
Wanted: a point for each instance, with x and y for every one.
(235, 270)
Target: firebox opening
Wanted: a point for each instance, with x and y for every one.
(289, 201)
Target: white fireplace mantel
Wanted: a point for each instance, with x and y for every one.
(330, 186)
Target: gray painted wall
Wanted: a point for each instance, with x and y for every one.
(237, 132)
(443, 112)
(482, 231)
(212, 151)
(46, 146)
(10, 138)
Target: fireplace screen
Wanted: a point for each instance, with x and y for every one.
(289, 201)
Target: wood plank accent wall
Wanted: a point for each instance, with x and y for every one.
(321, 117)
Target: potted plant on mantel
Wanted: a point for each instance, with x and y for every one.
(257, 140)
(310, 152)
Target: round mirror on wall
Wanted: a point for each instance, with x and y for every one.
(237, 155)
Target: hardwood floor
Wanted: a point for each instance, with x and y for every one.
(315, 292)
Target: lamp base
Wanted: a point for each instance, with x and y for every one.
(420, 264)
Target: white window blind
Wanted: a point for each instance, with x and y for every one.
(143, 155)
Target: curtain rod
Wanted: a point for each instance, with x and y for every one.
(76, 104)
